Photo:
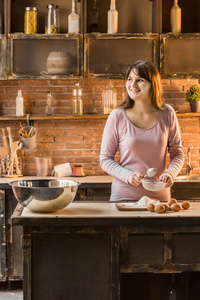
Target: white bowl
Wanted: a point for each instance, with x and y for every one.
(153, 185)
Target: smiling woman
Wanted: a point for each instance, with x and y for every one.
(143, 129)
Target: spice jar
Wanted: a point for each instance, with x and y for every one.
(52, 20)
(30, 20)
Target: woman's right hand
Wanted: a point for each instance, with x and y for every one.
(135, 178)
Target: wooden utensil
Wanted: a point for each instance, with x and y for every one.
(10, 139)
(5, 138)
(15, 147)
(4, 152)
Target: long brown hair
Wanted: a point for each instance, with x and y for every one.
(148, 71)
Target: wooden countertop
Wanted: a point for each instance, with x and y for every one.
(103, 179)
(102, 213)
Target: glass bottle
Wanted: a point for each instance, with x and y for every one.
(77, 100)
(93, 17)
(30, 20)
(112, 18)
(173, 290)
(109, 99)
(49, 107)
(74, 20)
(19, 104)
(52, 19)
(175, 15)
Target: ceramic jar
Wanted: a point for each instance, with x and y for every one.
(58, 63)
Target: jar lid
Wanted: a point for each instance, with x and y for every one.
(52, 6)
(31, 8)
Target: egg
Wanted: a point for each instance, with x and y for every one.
(167, 207)
(171, 201)
(176, 207)
(151, 207)
(185, 204)
(159, 208)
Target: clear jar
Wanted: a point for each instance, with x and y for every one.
(109, 99)
(30, 20)
(52, 19)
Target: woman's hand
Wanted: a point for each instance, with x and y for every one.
(135, 178)
(166, 177)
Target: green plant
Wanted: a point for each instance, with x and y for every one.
(193, 93)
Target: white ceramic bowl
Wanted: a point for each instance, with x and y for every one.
(153, 185)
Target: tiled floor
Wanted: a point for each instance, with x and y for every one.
(11, 295)
(11, 291)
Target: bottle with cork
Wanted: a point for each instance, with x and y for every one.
(19, 104)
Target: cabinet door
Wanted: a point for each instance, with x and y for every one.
(45, 56)
(178, 55)
(3, 67)
(70, 264)
(14, 234)
(110, 55)
(2, 237)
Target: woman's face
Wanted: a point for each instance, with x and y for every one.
(137, 88)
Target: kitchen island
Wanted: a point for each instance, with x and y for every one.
(90, 250)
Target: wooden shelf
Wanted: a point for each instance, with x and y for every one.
(55, 117)
(83, 117)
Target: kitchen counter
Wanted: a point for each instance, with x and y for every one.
(87, 250)
(86, 180)
(93, 213)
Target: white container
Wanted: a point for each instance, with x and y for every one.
(112, 18)
(175, 18)
(19, 104)
(74, 20)
(62, 170)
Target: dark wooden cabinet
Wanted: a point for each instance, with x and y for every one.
(11, 267)
(111, 256)
(2, 237)
(100, 54)
(73, 263)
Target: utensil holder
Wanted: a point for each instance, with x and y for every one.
(29, 142)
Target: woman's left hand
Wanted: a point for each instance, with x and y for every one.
(166, 177)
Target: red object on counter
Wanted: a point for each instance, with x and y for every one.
(78, 171)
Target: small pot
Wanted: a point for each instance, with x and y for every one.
(195, 106)
(29, 142)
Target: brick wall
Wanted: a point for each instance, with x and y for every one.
(77, 141)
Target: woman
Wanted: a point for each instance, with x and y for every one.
(143, 129)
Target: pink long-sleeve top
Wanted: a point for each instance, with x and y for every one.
(140, 149)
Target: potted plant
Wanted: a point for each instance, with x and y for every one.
(193, 96)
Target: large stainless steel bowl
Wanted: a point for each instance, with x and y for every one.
(43, 195)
